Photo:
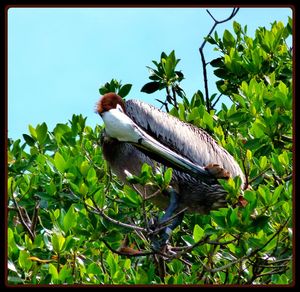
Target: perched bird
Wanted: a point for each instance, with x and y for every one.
(137, 133)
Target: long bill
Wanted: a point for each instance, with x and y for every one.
(151, 145)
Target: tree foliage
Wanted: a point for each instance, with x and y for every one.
(71, 221)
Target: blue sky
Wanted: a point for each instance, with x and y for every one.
(59, 57)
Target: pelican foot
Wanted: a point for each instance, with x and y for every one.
(161, 238)
(217, 171)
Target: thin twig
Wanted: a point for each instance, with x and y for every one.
(204, 64)
(166, 222)
(137, 254)
(35, 215)
(200, 242)
(100, 212)
(218, 98)
(174, 97)
(153, 195)
(259, 175)
(250, 255)
(246, 171)
(273, 272)
(22, 219)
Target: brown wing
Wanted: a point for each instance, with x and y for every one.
(185, 139)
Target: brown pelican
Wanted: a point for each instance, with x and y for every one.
(137, 133)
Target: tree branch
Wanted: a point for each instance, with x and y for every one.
(23, 216)
(204, 64)
(100, 212)
(136, 253)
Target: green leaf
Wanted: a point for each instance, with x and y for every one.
(249, 155)
(60, 162)
(208, 120)
(237, 117)
(198, 233)
(283, 158)
(92, 176)
(170, 65)
(124, 90)
(218, 62)
(113, 85)
(11, 185)
(99, 197)
(181, 111)
(112, 261)
(219, 217)
(142, 276)
(32, 131)
(23, 260)
(127, 264)
(193, 115)
(253, 144)
(211, 40)
(188, 239)
(221, 73)
(228, 39)
(69, 219)
(94, 269)
(132, 198)
(103, 90)
(83, 189)
(53, 272)
(163, 55)
(11, 244)
(57, 241)
(84, 168)
(60, 130)
(74, 187)
(277, 193)
(257, 129)
(176, 266)
(174, 112)
(41, 131)
(263, 162)
(150, 87)
(236, 27)
(233, 217)
(168, 176)
(179, 75)
(277, 165)
(259, 222)
(28, 139)
(64, 273)
(146, 169)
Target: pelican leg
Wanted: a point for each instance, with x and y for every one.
(163, 236)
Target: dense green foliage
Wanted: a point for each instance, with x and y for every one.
(62, 198)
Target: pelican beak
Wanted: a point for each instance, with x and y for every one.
(163, 154)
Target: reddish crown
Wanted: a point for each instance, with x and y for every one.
(109, 101)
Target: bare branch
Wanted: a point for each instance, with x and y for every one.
(23, 216)
(251, 254)
(233, 13)
(128, 254)
(35, 214)
(217, 100)
(204, 64)
(100, 212)
(259, 175)
(166, 222)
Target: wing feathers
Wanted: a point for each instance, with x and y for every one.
(185, 139)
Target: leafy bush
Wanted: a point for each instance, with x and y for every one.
(71, 221)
